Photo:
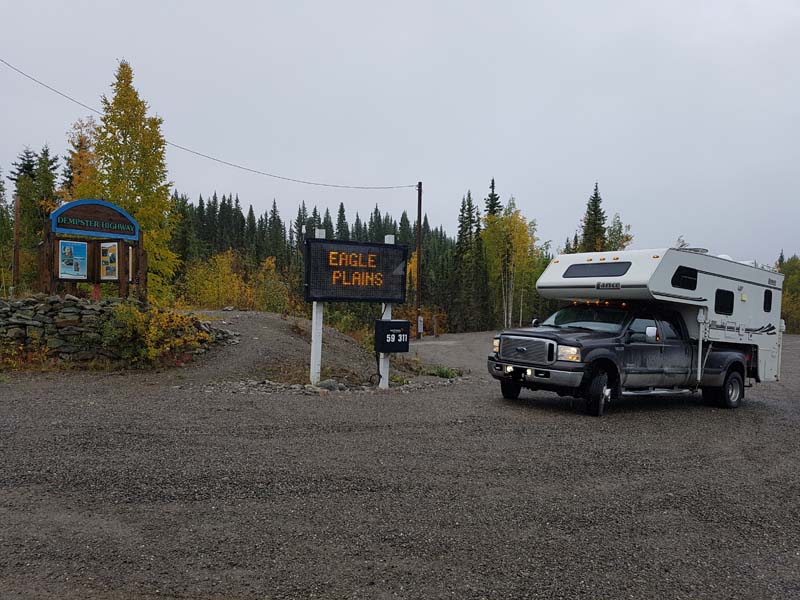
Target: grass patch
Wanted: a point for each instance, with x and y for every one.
(444, 372)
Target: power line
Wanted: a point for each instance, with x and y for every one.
(208, 156)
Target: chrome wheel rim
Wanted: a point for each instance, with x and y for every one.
(606, 393)
(733, 391)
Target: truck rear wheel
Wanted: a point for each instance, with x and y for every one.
(510, 389)
(730, 395)
(598, 394)
(732, 390)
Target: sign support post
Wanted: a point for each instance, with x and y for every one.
(386, 314)
(316, 330)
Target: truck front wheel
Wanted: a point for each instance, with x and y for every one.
(597, 394)
(510, 389)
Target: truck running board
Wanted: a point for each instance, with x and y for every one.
(657, 392)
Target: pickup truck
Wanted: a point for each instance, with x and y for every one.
(597, 352)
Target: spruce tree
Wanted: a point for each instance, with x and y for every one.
(276, 237)
(593, 238)
(342, 228)
(313, 223)
(493, 205)
(404, 234)
(185, 242)
(375, 226)
(481, 293)
(327, 225)
(299, 225)
(6, 238)
(25, 165)
(239, 224)
(358, 230)
(251, 234)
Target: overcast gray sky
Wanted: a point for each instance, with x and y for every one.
(686, 113)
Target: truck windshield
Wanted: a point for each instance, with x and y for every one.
(605, 319)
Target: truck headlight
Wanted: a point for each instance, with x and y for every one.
(496, 345)
(569, 353)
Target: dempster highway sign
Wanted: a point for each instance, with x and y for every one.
(94, 218)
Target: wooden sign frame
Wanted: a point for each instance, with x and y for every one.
(97, 224)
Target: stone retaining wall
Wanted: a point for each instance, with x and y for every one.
(67, 329)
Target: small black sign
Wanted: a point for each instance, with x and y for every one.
(609, 285)
(392, 336)
(355, 272)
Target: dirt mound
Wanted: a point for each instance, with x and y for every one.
(278, 348)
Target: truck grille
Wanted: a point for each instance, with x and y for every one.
(529, 350)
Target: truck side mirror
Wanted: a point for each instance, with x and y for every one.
(651, 335)
(536, 322)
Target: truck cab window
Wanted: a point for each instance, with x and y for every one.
(670, 328)
(637, 332)
(723, 302)
(767, 300)
(685, 278)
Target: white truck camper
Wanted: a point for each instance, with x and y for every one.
(648, 321)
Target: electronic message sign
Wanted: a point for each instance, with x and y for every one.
(339, 271)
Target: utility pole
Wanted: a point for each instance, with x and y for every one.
(15, 255)
(419, 260)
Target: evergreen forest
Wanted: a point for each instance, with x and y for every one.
(216, 251)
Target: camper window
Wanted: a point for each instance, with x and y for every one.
(767, 300)
(723, 302)
(615, 269)
(685, 278)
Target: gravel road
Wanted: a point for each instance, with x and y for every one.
(146, 485)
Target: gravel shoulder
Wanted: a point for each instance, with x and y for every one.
(142, 485)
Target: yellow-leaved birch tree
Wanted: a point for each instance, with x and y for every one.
(507, 243)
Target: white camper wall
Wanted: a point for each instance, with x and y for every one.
(742, 302)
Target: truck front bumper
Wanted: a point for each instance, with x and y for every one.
(559, 376)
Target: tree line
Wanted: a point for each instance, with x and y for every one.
(213, 251)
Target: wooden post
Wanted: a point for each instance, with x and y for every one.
(383, 359)
(316, 332)
(44, 260)
(123, 261)
(142, 275)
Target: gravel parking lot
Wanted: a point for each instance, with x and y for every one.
(145, 485)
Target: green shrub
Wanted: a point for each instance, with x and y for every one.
(151, 336)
